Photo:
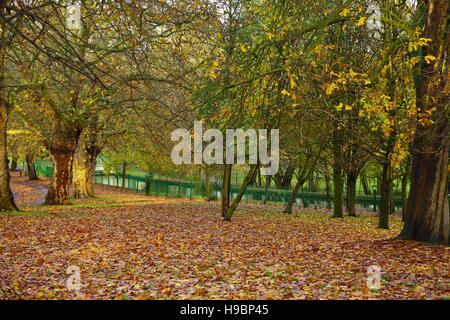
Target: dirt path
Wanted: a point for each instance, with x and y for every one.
(26, 192)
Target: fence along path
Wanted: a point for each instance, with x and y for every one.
(194, 189)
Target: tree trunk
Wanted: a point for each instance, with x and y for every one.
(124, 173)
(250, 176)
(328, 191)
(6, 197)
(84, 164)
(30, 167)
(266, 188)
(304, 175)
(364, 183)
(208, 188)
(351, 194)
(226, 186)
(385, 196)
(312, 183)
(287, 177)
(58, 191)
(298, 185)
(14, 163)
(62, 150)
(428, 217)
(337, 175)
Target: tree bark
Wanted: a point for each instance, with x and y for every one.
(328, 191)
(30, 167)
(84, 166)
(124, 173)
(6, 197)
(385, 196)
(337, 175)
(364, 183)
(287, 177)
(62, 150)
(428, 217)
(226, 186)
(58, 191)
(351, 194)
(208, 188)
(266, 188)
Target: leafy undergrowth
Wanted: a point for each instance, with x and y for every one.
(128, 246)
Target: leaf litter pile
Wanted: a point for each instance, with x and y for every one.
(128, 246)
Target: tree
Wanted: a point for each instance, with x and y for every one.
(6, 196)
(427, 217)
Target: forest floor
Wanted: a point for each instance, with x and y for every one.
(129, 246)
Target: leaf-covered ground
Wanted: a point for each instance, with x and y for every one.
(129, 246)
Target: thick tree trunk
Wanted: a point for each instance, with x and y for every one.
(83, 173)
(6, 197)
(250, 176)
(226, 186)
(351, 194)
(337, 175)
(428, 217)
(80, 173)
(385, 196)
(58, 191)
(62, 150)
(30, 167)
(84, 165)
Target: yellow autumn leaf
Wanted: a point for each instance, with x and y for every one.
(429, 59)
(330, 88)
(361, 22)
(344, 12)
(159, 238)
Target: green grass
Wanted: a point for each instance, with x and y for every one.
(24, 213)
